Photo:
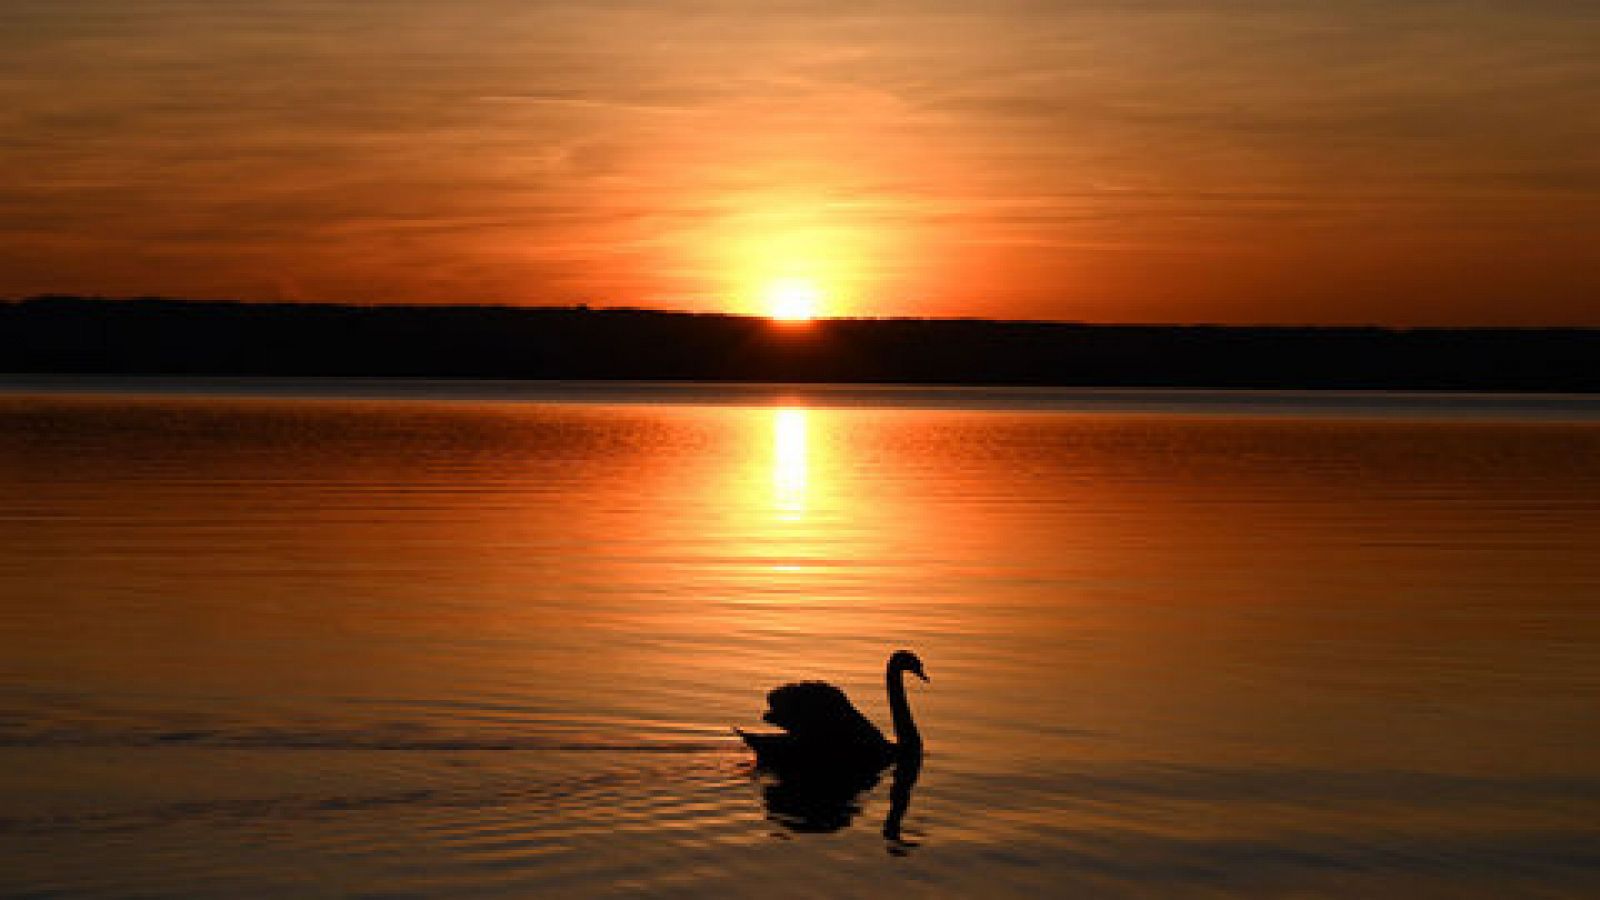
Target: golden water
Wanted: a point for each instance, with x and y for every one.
(283, 640)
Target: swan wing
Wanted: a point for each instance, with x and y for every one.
(816, 710)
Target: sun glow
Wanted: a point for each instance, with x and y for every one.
(792, 299)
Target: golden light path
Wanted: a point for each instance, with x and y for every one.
(790, 449)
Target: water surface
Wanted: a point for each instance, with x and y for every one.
(435, 640)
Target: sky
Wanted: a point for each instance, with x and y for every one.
(1404, 162)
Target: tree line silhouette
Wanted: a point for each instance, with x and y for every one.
(63, 334)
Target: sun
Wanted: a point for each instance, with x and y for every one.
(792, 299)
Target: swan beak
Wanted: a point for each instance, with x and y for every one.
(920, 674)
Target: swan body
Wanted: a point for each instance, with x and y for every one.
(823, 730)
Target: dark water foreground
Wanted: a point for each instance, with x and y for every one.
(434, 643)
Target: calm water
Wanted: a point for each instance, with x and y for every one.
(263, 638)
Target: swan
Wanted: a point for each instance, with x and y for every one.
(822, 729)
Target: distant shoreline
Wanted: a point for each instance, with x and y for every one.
(1414, 406)
(185, 339)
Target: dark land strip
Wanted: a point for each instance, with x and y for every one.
(84, 335)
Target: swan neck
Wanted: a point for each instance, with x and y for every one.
(905, 729)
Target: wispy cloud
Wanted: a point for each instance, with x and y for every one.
(1284, 160)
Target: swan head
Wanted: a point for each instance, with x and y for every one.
(906, 661)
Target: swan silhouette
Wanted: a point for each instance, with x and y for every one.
(824, 732)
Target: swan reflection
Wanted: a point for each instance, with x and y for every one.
(812, 801)
(906, 773)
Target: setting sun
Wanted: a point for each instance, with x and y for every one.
(792, 299)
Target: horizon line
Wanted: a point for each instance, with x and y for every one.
(798, 326)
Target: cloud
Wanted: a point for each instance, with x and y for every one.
(520, 134)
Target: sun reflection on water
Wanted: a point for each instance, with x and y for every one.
(790, 449)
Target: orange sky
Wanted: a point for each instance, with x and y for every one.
(1426, 162)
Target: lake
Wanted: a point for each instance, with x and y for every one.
(418, 639)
